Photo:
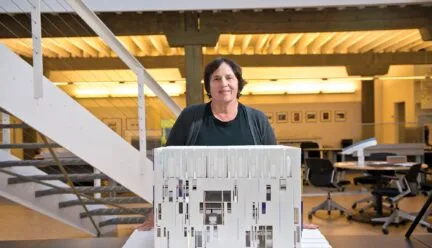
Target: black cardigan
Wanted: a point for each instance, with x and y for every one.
(186, 128)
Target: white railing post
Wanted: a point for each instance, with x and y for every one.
(6, 134)
(37, 49)
(97, 183)
(142, 120)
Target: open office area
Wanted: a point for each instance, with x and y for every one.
(336, 94)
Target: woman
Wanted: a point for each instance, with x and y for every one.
(224, 120)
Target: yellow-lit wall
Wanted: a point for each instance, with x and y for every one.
(327, 133)
(387, 94)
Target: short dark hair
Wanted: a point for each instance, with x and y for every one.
(214, 65)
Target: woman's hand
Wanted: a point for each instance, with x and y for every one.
(310, 226)
(148, 223)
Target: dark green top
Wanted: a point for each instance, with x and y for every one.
(214, 132)
(188, 125)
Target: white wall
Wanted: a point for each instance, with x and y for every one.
(329, 133)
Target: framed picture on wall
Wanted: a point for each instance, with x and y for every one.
(281, 117)
(311, 116)
(340, 115)
(296, 117)
(325, 116)
(114, 123)
(132, 124)
(269, 116)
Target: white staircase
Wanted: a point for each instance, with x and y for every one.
(64, 121)
(24, 194)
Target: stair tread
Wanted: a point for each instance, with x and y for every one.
(14, 125)
(28, 145)
(84, 190)
(60, 177)
(108, 200)
(42, 162)
(115, 211)
(122, 220)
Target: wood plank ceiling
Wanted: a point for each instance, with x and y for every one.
(392, 41)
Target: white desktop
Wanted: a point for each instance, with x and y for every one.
(232, 196)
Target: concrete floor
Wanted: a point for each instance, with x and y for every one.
(20, 223)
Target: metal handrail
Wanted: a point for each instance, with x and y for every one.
(69, 182)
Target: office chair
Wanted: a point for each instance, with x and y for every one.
(406, 187)
(426, 185)
(371, 179)
(321, 173)
(311, 154)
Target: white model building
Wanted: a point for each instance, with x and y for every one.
(230, 197)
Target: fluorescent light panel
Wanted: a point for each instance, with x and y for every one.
(255, 87)
(299, 87)
(128, 89)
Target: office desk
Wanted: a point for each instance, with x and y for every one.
(378, 167)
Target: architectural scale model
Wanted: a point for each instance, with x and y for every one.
(230, 197)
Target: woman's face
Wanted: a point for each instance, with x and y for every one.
(223, 84)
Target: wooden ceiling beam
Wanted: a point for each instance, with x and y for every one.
(227, 22)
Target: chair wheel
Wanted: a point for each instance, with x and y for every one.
(354, 206)
(385, 231)
(341, 212)
(429, 230)
(309, 216)
(361, 211)
(396, 225)
(349, 217)
(329, 212)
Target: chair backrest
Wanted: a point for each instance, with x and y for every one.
(413, 173)
(346, 142)
(428, 159)
(380, 156)
(320, 171)
(311, 154)
(411, 178)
